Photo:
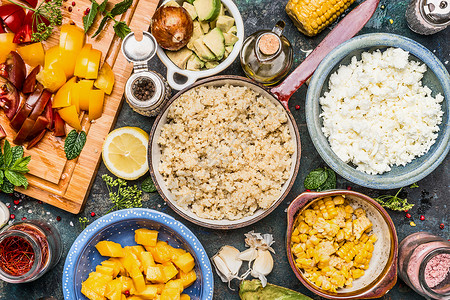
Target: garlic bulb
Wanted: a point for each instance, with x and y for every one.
(262, 266)
(229, 255)
(226, 263)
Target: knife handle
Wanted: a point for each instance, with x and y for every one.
(344, 30)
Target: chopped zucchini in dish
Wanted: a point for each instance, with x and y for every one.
(213, 38)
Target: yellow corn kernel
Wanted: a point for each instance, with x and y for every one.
(356, 273)
(312, 16)
(296, 232)
(295, 239)
(303, 237)
(338, 200)
(303, 227)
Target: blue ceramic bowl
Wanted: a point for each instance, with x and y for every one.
(436, 78)
(119, 227)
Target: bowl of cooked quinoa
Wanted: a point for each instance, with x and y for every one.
(377, 111)
(224, 153)
(342, 245)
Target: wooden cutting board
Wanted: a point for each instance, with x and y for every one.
(52, 178)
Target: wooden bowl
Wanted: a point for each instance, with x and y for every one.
(381, 275)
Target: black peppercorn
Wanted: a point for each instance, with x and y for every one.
(143, 88)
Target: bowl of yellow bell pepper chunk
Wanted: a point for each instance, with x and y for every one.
(137, 254)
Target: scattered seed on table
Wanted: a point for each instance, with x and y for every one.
(442, 226)
(16, 202)
(408, 216)
(58, 218)
(92, 214)
(297, 107)
(422, 217)
(12, 216)
(24, 218)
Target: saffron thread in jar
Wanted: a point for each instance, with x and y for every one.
(16, 255)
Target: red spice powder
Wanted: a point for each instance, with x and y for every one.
(437, 270)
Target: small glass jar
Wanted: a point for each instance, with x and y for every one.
(28, 250)
(146, 91)
(424, 264)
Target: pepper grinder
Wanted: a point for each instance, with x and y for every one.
(266, 56)
(428, 16)
(146, 91)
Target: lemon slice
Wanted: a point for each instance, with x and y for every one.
(125, 152)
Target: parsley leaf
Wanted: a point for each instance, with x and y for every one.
(148, 186)
(13, 167)
(394, 202)
(121, 29)
(74, 144)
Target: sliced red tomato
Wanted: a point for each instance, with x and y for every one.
(13, 16)
(32, 3)
(23, 35)
(9, 98)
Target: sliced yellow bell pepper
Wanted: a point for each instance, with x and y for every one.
(52, 78)
(96, 98)
(80, 94)
(71, 38)
(63, 96)
(6, 45)
(53, 57)
(82, 61)
(105, 79)
(70, 115)
(32, 54)
(94, 64)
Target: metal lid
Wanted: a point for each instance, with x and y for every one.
(139, 52)
(436, 11)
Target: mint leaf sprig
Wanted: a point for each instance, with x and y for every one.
(13, 167)
(320, 180)
(120, 28)
(125, 196)
(394, 202)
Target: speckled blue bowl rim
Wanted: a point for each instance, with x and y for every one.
(383, 181)
(69, 273)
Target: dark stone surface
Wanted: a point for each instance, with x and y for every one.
(430, 198)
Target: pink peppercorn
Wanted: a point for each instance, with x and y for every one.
(70, 9)
(16, 202)
(422, 217)
(126, 293)
(12, 216)
(349, 188)
(442, 226)
(24, 218)
(297, 107)
(92, 214)
(73, 3)
(308, 190)
(58, 218)
(408, 216)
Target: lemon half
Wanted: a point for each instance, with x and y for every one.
(125, 152)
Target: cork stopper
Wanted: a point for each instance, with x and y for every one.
(269, 44)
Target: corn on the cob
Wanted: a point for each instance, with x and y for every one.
(312, 16)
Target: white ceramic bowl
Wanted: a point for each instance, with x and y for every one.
(192, 76)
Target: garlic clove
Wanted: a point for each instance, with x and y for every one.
(248, 255)
(263, 263)
(229, 255)
(222, 269)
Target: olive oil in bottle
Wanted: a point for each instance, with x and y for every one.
(266, 56)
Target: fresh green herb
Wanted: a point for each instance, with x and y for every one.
(320, 179)
(414, 185)
(46, 16)
(125, 196)
(148, 186)
(330, 183)
(394, 202)
(74, 144)
(13, 167)
(83, 222)
(120, 28)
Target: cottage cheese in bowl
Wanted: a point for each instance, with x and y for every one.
(377, 114)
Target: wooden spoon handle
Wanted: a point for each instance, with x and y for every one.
(344, 30)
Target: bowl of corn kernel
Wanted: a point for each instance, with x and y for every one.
(342, 245)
